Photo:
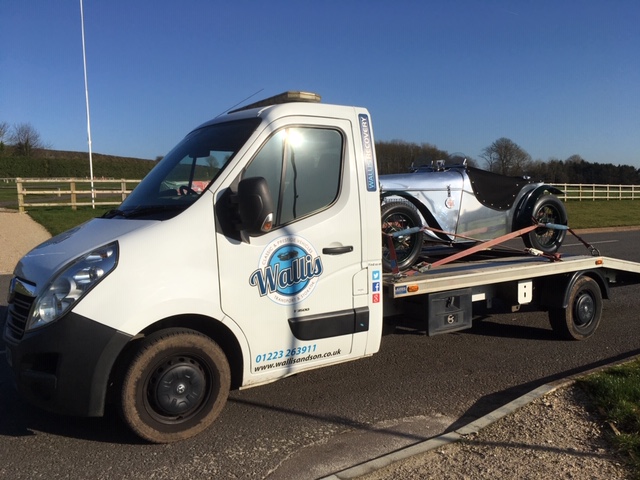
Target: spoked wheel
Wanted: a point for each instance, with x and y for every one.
(397, 216)
(548, 209)
(175, 387)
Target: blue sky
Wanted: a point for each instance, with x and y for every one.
(556, 77)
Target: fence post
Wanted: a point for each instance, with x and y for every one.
(20, 195)
(123, 186)
(74, 205)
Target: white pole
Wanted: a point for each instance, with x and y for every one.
(86, 94)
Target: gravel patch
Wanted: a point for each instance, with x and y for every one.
(19, 233)
(556, 436)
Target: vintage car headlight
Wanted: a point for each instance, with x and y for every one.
(71, 284)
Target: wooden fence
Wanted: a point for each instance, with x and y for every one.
(73, 192)
(583, 191)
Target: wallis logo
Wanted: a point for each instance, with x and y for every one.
(288, 272)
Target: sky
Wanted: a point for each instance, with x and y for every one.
(557, 77)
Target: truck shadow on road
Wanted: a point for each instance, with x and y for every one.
(488, 326)
(488, 403)
(483, 325)
(19, 419)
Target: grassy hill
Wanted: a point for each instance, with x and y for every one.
(62, 164)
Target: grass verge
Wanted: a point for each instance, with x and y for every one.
(60, 219)
(616, 393)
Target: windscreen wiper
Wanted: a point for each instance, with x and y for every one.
(115, 213)
(141, 211)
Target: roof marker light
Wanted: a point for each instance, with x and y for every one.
(285, 97)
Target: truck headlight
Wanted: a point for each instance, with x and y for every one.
(71, 284)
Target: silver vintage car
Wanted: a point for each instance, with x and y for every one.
(461, 205)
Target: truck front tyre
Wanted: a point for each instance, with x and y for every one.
(582, 316)
(175, 387)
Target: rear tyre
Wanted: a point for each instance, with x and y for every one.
(547, 209)
(175, 387)
(396, 216)
(582, 316)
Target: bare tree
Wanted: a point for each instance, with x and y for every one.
(397, 155)
(4, 131)
(506, 157)
(25, 138)
(575, 158)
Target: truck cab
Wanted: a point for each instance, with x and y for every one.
(249, 253)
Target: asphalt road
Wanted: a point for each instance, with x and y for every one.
(318, 422)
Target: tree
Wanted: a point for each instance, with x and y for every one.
(397, 156)
(25, 138)
(506, 157)
(4, 131)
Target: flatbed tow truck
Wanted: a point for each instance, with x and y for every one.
(275, 267)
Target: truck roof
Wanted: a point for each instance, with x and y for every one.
(285, 104)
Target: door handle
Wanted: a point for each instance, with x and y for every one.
(337, 250)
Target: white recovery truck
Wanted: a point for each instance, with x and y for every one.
(251, 252)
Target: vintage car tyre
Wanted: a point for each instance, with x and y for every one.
(583, 313)
(175, 387)
(400, 215)
(547, 209)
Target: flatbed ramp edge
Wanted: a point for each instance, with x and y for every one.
(486, 272)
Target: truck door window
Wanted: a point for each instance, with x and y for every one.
(302, 167)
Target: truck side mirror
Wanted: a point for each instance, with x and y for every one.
(255, 206)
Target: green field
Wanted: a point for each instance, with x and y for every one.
(612, 213)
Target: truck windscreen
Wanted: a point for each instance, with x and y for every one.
(180, 177)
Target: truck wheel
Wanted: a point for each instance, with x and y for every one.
(396, 216)
(548, 209)
(175, 387)
(582, 316)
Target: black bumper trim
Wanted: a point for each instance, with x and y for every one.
(65, 367)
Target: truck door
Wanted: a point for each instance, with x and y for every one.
(291, 290)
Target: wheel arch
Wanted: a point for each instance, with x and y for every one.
(557, 289)
(212, 328)
(524, 210)
(422, 208)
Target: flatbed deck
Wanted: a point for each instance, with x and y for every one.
(500, 269)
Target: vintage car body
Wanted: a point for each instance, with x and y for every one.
(463, 204)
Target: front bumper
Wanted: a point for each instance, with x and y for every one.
(64, 367)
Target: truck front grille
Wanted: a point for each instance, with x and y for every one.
(21, 301)
(18, 315)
